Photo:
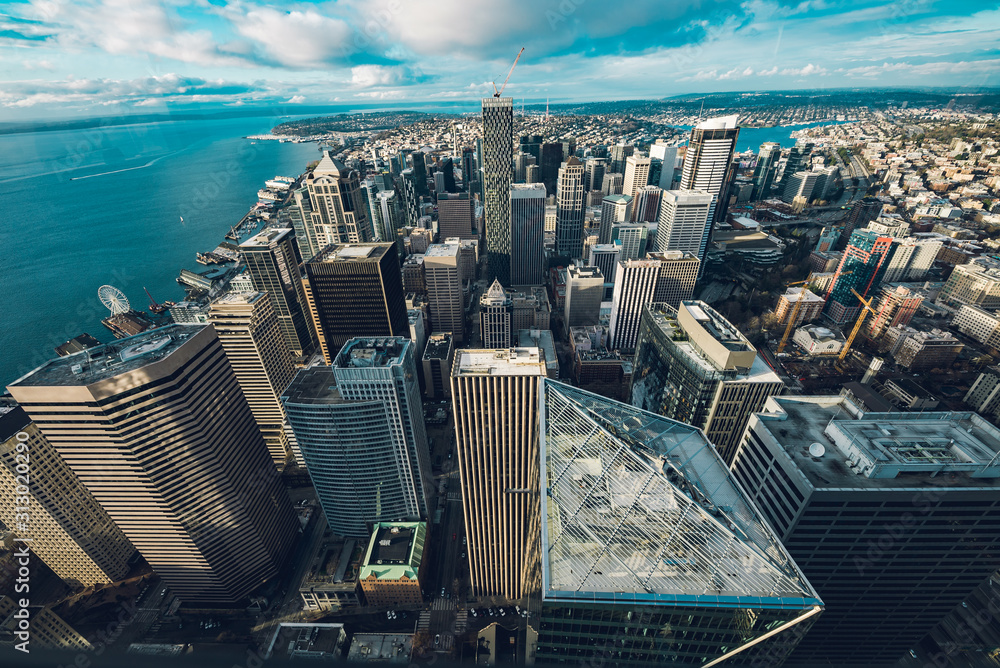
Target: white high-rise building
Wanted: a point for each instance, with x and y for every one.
(614, 209)
(636, 174)
(667, 155)
(911, 260)
(444, 289)
(684, 221)
(635, 286)
(706, 163)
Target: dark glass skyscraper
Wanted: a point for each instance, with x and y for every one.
(498, 155)
(861, 268)
(763, 173)
(570, 195)
(356, 290)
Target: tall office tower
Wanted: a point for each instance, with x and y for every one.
(444, 290)
(418, 160)
(706, 164)
(975, 284)
(569, 209)
(861, 213)
(411, 200)
(646, 206)
(797, 160)
(799, 185)
(356, 290)
(606, 258)
(298, 216)
(911, 259)
(531, 144)
(861, 268)
(469, 171)
(569, 147)
(552, 158)
(678, 275)
(521, 162)
(156, 427)
(455, 216)
(68, 528)
(593, 173)
(249, 332)
(584, 294)
(694, 366)
(270, 257)
(649, 552)
(763, 173)
(533, 174)
(613, 183)
(448, 171)
(889, 515)
(495, 397)
(666, 156)
(359, 424)
(685, 217)
(894, 305)
(439, 186)
(527, 229)
(389, 216)
(498, 138)
(414, 278)
(617, 157)
(632, 238)
(338, 209)
(439, 355)
(494, 317)
(615, 209)
(635, 286)
(636, 174)
(829, 182)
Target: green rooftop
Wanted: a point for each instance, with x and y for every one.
(395, 550)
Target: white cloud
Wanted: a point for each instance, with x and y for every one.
(808, 70)
(296, 99)
(297, 39)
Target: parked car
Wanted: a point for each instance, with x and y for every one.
(437, 639)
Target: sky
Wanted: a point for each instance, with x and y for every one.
(101, 57)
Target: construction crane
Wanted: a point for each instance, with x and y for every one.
(795, 313)
(497, 93)
(866, 306)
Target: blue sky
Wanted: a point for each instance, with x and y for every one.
(74, 57)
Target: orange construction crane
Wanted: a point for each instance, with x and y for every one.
(497, 93)
(866, 306)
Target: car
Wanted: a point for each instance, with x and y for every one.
(491, 612)
(518, 608)
(448, 595)
(437, 639)
(502, 612)
(388, 615)
(463, 555)
(162, 592)
(473, 611)
(463, 540)
(442, 592)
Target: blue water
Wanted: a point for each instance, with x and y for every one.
(63, 236)
(752, 138)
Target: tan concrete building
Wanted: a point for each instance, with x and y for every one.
(158, 430)
(810, 306)
(444, 290)
(68, 528)
(495, 397)
(248, 329)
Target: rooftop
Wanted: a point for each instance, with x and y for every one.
(438, 345)
(883, 450)
(380, 647)
(502, 362)
(315, 385)
(370, 252)
(372, 352)
(395, 551)
(110, 359)
(265, 238)
(640, 508)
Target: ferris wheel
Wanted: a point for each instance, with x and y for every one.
(113, 298)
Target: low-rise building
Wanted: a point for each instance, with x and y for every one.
(920, 351)
(979, 324)
(331, 583)
(911, 394)
(810, 306)
(380, 648)
(818, 340)
(439, 355)
(393, 565)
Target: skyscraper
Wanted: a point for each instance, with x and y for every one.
(495, 397)
(764, 171)
(648, 552)
(411, 200)
(455, 216)
(498, 139)
(617, 157)
(797, 160)
(684, 221)
(388, 215)
(494, 317)
(584, 294)
(273, 268)
(707, 166)
(666, 156)
(612, 183)
(68, 528)
(593, 176)
(606, 257)
(552, 158)
(861, 269)
(248, 329)
(527, 228)
(799, 185)
(419, 162)
(646, 206)
(360, 427)
(889, 515)
(636, 174)
(632, 238)
(569, 209)
(444, 290)
(635, 286)
(614, 209)
(157, 428)
(356, 290)
(694, 366)
(338, 209)
(859, 216)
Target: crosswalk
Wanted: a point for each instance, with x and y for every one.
(443, 604)
(461, 620)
